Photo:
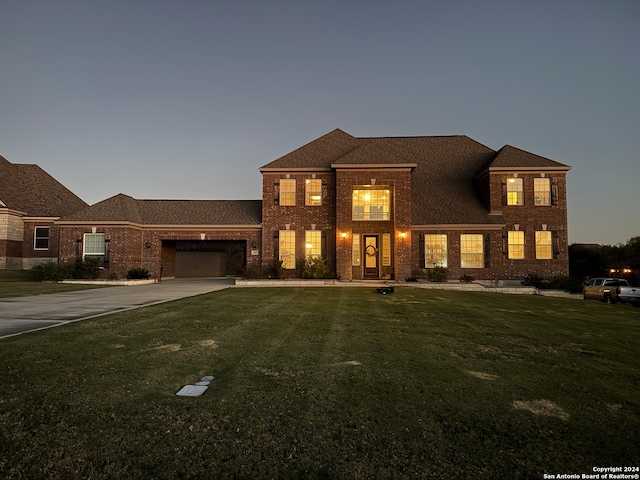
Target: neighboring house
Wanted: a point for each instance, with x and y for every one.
(30, 202)
(181, 238)
(373, 208)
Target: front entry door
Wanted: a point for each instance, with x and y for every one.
(371, 268)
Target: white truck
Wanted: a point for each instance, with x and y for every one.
(628, 294)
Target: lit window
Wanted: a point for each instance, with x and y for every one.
(41, 238)
(288, 248)
(544, 250)
(287, 192)
(435, 251)
(371, 204)
(471, 251)
(313, 240)
(514, 191)
(386, 249)
(313, 192)
(542, 191)
(94, 246)
(516, 245)
(355, 250)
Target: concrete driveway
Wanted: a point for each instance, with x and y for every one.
(27, 314)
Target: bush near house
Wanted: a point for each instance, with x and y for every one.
(138, 274)
(56, 272)
(313, 268)
(436, 274)
(558, 282)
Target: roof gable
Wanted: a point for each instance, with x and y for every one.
(31, 190)
(318, 154)
(509, 157)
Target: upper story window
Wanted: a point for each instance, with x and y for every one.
(515, 191)
(313, 192)
(435, 251)
(371, 203)
(41, 238)
(93, 246)
(542, 191)
(287, 192)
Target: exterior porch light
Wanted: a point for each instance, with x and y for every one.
(403, 235)
(343, 235)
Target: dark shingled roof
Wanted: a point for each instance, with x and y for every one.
(444, 190)
(123, 208)
(29, 189)
(512, 157)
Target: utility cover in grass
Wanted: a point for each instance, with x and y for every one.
(192, 390)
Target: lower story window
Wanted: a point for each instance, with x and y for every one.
(313, 241)
(516, 245)
(435, 251)
(544, 248)
(471, 251)
(355, 250)
(93, 246)
(288, 248)
(41, 238)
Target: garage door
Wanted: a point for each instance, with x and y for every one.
(200, 264)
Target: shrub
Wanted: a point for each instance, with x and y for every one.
(138, 274)
(557, 282)
(436, 274)
(255, 272)
(467, 278)
(87, 269)
(312, 268)
(50, 272)
(275, 269)
(411, 279)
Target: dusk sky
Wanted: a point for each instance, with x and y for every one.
(187, 99)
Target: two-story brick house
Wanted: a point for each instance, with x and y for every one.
(373, 208)
(386, 208)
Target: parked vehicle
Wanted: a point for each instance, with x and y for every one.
(604, 288)
(629, 294)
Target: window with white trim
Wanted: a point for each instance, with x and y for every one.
(287, 192)
(355, 250)
(386, 249)
(313, 192)
(41, 238)
(516, 245)
(544, 249)
(313, 243)
(371, 203)
(542, 191)
(471, 251)
(94, 246)
(287, 248)
(515, 195)
(435, 251)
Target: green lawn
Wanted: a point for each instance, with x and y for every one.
(327, 383)
(15, 283)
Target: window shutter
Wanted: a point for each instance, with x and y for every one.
(323, 244)
(505, 244)
(325, 191)
(504, 193)
(276, 193)
(554, 191)
(556, 244)
(276, 246)
(422, 250)
(487, 250)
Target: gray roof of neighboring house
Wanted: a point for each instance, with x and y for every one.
(123, 208)
(29, 189)
(444, 190)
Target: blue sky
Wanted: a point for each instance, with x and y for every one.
(187, 99)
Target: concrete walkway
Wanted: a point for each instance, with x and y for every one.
(27, 314)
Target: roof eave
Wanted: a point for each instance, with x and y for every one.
(293, 169)
(373, 166)
(559, 168)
